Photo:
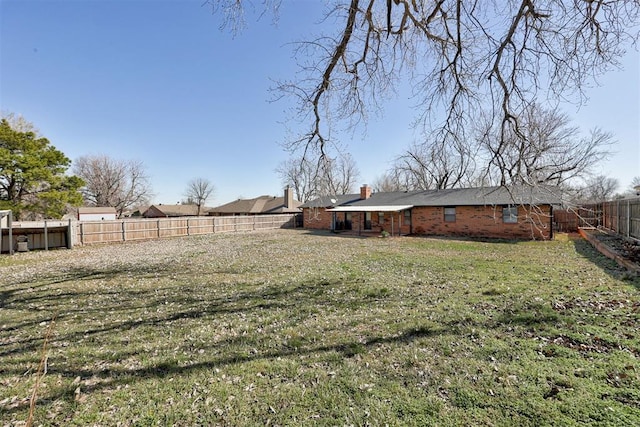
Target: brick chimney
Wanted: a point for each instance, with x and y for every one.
(365, 192)
(288, 197)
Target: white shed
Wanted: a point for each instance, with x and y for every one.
(4, 219)
(107, 213)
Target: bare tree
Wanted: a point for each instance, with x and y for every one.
(320, 177)
(199, 190)
(598, 189)
(337, 175)
(462, 58)
(437, 164)
(545, 149)
(392, 180)
(18, 123)
(299, 174)
(122, 184)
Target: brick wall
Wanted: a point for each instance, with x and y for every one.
(474, 221)
(316, 218)
(484, 221)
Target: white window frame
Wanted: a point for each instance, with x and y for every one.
(448, 216)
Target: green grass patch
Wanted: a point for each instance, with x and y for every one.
(290, 328)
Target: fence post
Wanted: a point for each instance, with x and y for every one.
(628, 218)
(70, 236)
(81, 233)
(187, 226)
(46, 236)
(124, 232)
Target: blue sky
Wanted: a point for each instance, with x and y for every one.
(158, 81)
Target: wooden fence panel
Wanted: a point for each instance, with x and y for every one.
(201, 225)
(140, 229)
(224, 224)
(89, 232)
(619, 216)
(173, 227)
(570, 220)
(635, 220)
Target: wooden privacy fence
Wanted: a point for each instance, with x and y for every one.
(89, 232)
(570, 220)
(66, 234)
(622, 217)
(619, 216)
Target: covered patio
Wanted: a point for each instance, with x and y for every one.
(394, 211)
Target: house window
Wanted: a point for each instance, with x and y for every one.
(347, 221)
(449, 214)
(367, 220)
(510, 214)
(407, 217)
(380, 218)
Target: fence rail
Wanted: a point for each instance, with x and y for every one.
(52, 234)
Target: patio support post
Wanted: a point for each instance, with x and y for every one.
(10, 224)
(70, 235)
(391, 224)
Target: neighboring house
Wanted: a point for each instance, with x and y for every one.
(164, 211)
(495, 212)
(107, 213)
(263, 205)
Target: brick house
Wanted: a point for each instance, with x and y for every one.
(494, 212)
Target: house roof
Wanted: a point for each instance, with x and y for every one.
(258, 205)
(517, 195)
(328, 201)
(375, 208)
(178, 210)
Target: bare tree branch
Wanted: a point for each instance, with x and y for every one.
(122, 184)
(464, 59)
(199, 190)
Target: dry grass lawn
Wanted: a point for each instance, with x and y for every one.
(295, 328)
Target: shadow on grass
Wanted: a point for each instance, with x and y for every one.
(70, 305)
(115, 377)
(297, 300)
(609, 266)
(241, 350)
